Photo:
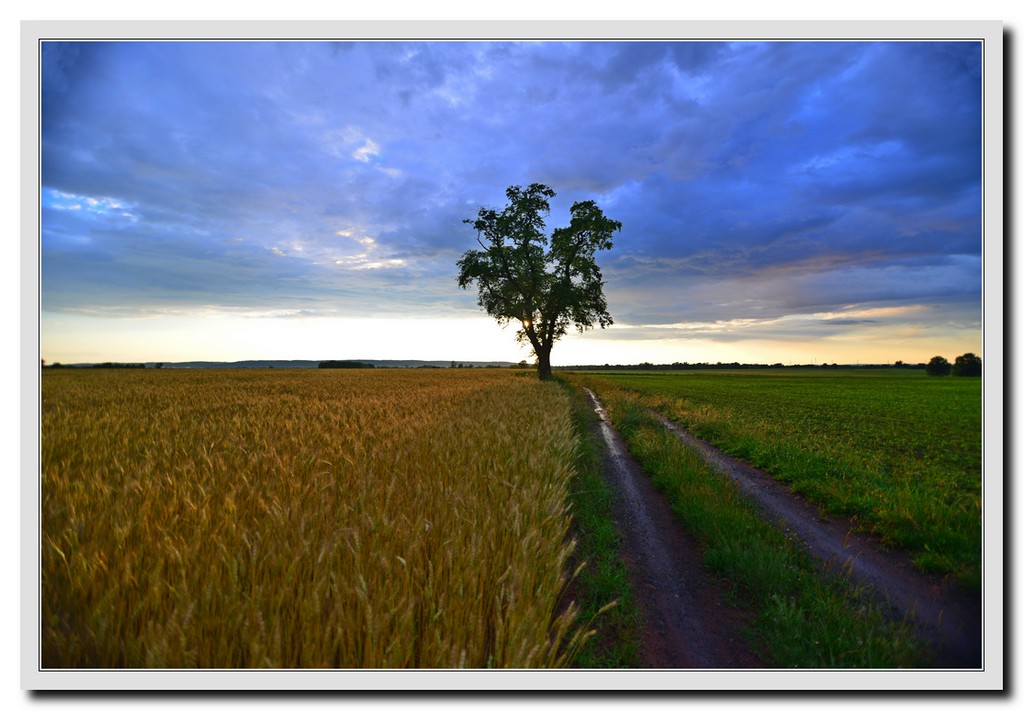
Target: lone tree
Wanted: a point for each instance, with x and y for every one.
(545, 287)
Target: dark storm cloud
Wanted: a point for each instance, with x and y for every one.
(753, 179)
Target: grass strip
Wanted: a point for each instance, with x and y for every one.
(602, 587)
(805, 619)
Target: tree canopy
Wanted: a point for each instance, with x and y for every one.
(938, 366)
(545, 285)
(967, 365)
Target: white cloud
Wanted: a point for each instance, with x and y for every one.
(100, 206)
(365, 151)
(365, 240)
(366, 259)
(363, 261)
(352, 142)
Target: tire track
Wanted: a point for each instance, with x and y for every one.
(947, 617)
(687, 624)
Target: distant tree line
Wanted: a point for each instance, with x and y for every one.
(344, 364)
(97, 365)
(520, 364)
(738, 366)
(967, 365)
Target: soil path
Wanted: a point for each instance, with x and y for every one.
(668, 563)
(687, 626)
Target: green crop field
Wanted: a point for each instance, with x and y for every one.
(898, 451)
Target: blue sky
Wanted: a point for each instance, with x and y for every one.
(780, 201)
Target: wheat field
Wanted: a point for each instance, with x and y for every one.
(305, 519)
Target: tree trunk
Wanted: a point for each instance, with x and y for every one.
(544, 363)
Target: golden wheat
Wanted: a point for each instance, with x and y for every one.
(304, 519)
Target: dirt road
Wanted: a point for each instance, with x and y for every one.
(687, 624)
(690, 628)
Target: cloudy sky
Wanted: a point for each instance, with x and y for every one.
(800, 202)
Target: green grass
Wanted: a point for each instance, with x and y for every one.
(804, 619)
(897, 451)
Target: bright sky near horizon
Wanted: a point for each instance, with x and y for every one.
(792, 202)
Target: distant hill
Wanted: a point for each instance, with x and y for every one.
(314, 363)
